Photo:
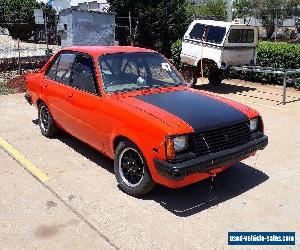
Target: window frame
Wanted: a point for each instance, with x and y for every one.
(76, 53)
(53, 61)
(96, 84)
(204, 30)
(242, 31)
(208, 27)
(58, 56)
(103, 87)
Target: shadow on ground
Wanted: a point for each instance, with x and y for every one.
(188, 200)
(197, 197)
(224, 88)
(250, 92)
(84, 149)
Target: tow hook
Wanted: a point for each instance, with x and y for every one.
(212, 187)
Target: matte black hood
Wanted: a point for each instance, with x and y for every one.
(199, 111)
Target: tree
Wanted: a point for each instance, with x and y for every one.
(18, 16)
(214, 8)
(158, 23)
(266, 11)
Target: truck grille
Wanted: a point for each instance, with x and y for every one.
(220, 139)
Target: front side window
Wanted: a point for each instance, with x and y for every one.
(215, 34)
(64, 68)
(241, 36)
(83, 75)
(133, 71)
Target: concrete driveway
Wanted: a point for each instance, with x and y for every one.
(81, 207)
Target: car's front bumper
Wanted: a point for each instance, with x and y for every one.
(203, 164)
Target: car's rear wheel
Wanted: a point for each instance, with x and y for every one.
(46, 122)
(131, 170)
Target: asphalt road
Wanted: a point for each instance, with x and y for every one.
(81, 207)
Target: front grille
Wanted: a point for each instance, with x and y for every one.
(220, 139)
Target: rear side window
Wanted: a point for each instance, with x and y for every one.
(64, 68)
(197, 31)
(241, 36)
(51, 72)
(83, 76)
(215, 34)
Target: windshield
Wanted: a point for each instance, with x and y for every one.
(132, 71)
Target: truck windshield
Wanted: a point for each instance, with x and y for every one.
(139, 70)
(241, 36)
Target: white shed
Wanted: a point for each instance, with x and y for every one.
(80, 27)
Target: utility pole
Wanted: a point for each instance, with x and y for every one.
(229, 10)
(46, 32)
(130, 29)
(19, 57)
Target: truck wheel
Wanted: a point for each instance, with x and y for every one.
(131, 170)
(47, 124)
(215, 76)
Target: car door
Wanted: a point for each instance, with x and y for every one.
(192, 44)
(85, 102)
(55, 88)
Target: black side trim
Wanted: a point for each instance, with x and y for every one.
(204, 164)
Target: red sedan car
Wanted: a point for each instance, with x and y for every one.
(130, 104)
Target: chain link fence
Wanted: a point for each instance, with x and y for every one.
(18, 57)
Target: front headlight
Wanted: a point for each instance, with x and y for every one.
(180, 143)
(175, 145)
(254, 124)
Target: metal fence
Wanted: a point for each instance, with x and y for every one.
(18, 55)
(287, 73)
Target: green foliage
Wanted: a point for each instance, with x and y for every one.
(216, 8)
(277, 55)
(265, 10)
(19, 16)
(243, 8)
(175, 53)
(4, 90)
(269, 54)
(158, 23)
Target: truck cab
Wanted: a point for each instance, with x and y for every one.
(212, 46)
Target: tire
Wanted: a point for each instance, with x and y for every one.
(46, 122)
(215, 76)
(131, 170)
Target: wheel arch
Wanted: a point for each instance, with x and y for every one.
(39, 101)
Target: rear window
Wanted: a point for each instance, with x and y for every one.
(64, 68)
(241, 36)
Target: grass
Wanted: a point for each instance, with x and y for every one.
(4, 90)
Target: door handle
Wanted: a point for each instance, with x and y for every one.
(70, 95)
(45, 84)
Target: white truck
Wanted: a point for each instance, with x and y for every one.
(210, 47)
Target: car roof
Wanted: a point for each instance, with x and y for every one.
(220, 23)
(102, 50)
(214, 23)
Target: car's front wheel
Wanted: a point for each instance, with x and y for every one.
(46, 122)
(131, 170)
